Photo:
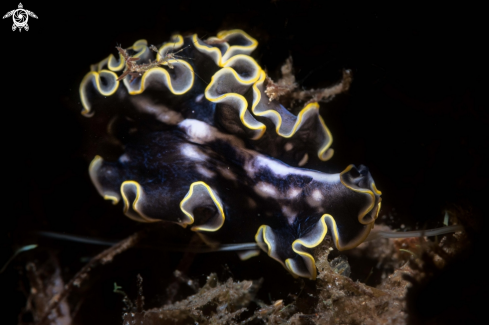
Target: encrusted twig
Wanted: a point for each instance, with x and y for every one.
(137, 70)
(284, 85)
(325, 94)
(46, 282)
(105, 257)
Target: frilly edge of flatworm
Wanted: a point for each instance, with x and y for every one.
(268, 242)
(135, 200)
(222, 51)
(237, 74)
(197, 195)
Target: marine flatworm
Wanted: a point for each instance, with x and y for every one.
(222, 158)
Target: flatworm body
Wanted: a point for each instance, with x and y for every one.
(221, 157)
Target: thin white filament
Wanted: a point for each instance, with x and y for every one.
(415, 233)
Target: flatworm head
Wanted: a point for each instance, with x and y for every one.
(211, 157)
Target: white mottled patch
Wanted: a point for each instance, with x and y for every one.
(191, 152)
(227, 173)
(303, 160)
(278, 168)
(266, 190)
(205, 172)
(249, 167)
(124, 158)
(199, 98)
(315, 199)
(201, 132)
(328, 154)
(289, 214)
(293, 192)
(288, 146)
(317, 195)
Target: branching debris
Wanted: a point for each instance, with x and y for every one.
(326, 94)
(46, 283)
(216, 303)
(344, 301)
(334, 298)
(137, 70)
(287, 87)
(103, 258)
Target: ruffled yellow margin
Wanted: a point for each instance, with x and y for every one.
(277, 119)
(227, 75)
(370, 193)
(265, 238)
(230, 51)
(92, 171)
(194, 187)
(231, 77)
(141, 48)
(164, 76)
(137, 215)
(266, 241)
(107, 90)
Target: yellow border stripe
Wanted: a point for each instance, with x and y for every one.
(260, 127)
(222, 59)
(144, 218)
(257, 97)
(363, 191)
(88, 79)
(214, 199)
(166, 76)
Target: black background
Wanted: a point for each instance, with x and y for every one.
(414, 114)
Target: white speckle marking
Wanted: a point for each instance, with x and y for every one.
(289, 214)
(199, 98)
(317, 195)
(303, 160)
(205, 172)
(201, 132)
(315, 199)
(190, 152)
(197, 130)
(265, 190)
(288, 146)
(293, 192)
(278, 168)
(124, 158)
